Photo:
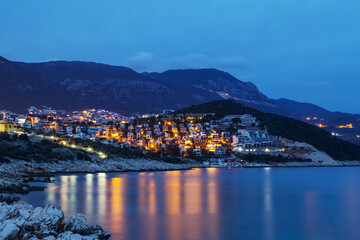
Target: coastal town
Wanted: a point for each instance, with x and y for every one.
(189, 134)
(238, 140)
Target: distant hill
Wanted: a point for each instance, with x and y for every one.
(286, 127)
(301, 110)
(330, 119)
(76, 85)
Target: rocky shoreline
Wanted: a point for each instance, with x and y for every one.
(11, 182)
(22, 221)
(108, 165)
(14, 176)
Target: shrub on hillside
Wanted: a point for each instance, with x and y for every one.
(24, 137)
(46, 142)
(83, 156)
(4, 159)
(14, 137)
(4, 136)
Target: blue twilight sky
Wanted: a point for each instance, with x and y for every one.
(306, 50)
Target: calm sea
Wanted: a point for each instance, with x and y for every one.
(252, 203)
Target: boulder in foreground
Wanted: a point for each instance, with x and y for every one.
(22, 221)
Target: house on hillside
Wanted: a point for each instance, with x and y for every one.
(7, 126)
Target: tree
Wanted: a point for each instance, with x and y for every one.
(173, 150)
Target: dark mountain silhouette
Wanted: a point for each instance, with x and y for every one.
(76, 85)
(300, 110)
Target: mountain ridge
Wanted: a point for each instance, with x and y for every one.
(77, 84)
(303, 109)
(73, 85)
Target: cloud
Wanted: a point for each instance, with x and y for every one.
(141, 56)
(141, 61)
(188, 61)
(237, 62)
(147, 61)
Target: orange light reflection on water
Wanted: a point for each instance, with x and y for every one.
(172, 193)
(117, 213)
(147, 203)
(212, 189)
(193, 194)
(213, 202)
(152, 204)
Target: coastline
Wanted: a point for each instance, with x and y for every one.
(12, 174)
(16, 168)
(82, 166)
(12, 178)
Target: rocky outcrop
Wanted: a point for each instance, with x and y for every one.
(10, 182)
(9, 199)
(77, 224)
(23, 221)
